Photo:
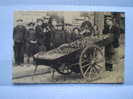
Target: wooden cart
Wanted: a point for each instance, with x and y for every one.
(83, 56)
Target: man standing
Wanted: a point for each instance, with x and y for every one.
(111, 49)
(40, 35)
(53, 28)
(31, 41)
(47, 33)
(19, 40)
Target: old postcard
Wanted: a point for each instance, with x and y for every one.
(68, 47)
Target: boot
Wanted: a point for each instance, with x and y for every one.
(108, 67)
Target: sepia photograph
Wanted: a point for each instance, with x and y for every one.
(68, 47)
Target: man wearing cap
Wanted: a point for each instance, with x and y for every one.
(31, 41)
(19, 40)
(111, 49)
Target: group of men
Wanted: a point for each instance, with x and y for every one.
(47, 34)
(30, 39)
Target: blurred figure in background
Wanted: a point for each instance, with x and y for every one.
(45, 22)
(46, 31)
(19, 42)
(68, 33)
(53, 28)
(75, 34)
(40, 35)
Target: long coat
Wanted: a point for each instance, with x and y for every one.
(19, 43)
(31, 35)
(116, 34)
(40, 34)
(40, 37)
(19, 34)
(109, 49)
(31, 39)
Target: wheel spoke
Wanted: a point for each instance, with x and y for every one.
(95, 74)
(94, 69)
(89, 74)
(87, 70)
(97, 70)
(85, 65)
(98, 61)
(100, 67)
(85, 62)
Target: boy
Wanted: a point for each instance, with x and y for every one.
(19, 40)
(31, 41)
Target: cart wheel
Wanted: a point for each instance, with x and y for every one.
(64, 69)
(91, 63)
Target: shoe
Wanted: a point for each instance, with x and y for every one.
(109, 67)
